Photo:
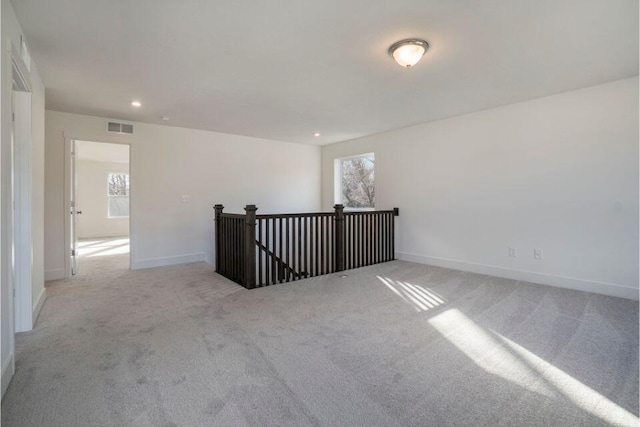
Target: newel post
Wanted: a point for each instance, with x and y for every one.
(339, 237)
(250, 247)
(218, 209)
(396, 212)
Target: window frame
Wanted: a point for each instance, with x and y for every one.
(109, 196)
(337, 180)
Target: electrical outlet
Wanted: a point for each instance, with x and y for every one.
(513, 252)
(537, 254)
(185, 198)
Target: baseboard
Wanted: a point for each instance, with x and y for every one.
(610, 289)
(173, 260)
(104, 236)
(54, 274)
(8, 368)
(37, 307)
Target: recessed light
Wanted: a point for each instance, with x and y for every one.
(136, 103)
(166, 118)
(316, 134)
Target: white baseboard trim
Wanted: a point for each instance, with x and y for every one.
(610, 289)
(8, 368)
(104, 236)
(54, 274)
(172, 260)
(37, 307)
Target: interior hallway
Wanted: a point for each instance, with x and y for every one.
(391, 344)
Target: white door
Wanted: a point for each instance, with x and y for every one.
(74, 211)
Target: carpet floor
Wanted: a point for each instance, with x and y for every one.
(396, 344)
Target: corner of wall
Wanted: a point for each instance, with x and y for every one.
(8, 369)
(56, 274)
(37, 306)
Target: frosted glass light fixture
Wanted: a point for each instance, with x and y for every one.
(408, 52)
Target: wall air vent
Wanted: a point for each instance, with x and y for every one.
(120, 127)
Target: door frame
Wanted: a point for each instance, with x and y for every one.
(100, 138)
(22, 195)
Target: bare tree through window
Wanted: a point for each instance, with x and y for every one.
(358, 182)
(118, 195)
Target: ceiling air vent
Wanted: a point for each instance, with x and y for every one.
(120, 127)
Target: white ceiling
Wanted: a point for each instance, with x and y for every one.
(285, 69)
(102, 152)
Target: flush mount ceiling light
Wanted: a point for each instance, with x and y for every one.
(316, 134)
(136, 103)
(408, 52)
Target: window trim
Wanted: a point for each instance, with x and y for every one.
(337, 180)
(109, 216)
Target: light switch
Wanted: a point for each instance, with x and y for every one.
(186, 198)
(537, 254)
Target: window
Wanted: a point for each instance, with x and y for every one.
(118, 195)
(355, 181)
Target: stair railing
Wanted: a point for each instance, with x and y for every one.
(261, 250)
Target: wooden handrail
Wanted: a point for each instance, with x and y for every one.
(310, 214)
(232, 215)
(295, 215)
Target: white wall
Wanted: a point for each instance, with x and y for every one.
(93, 200)
(11, 30)
(558, 173)
(168, 162)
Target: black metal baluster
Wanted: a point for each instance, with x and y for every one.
(267, 261)
(390, 222)
(259, 252)
(306, 247)
(321, 245)
(367, 232)
(353, 241)
(276, 267)
(393, 236)
(280, 252)
(359, 231)
(299, 264)
(329, 245)
(286, 251)
(377, 233)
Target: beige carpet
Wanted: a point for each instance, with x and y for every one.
(397, 344)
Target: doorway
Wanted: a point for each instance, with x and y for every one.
(100, 207)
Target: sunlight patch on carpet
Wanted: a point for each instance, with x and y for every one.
(505, 358)
(421, 298)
